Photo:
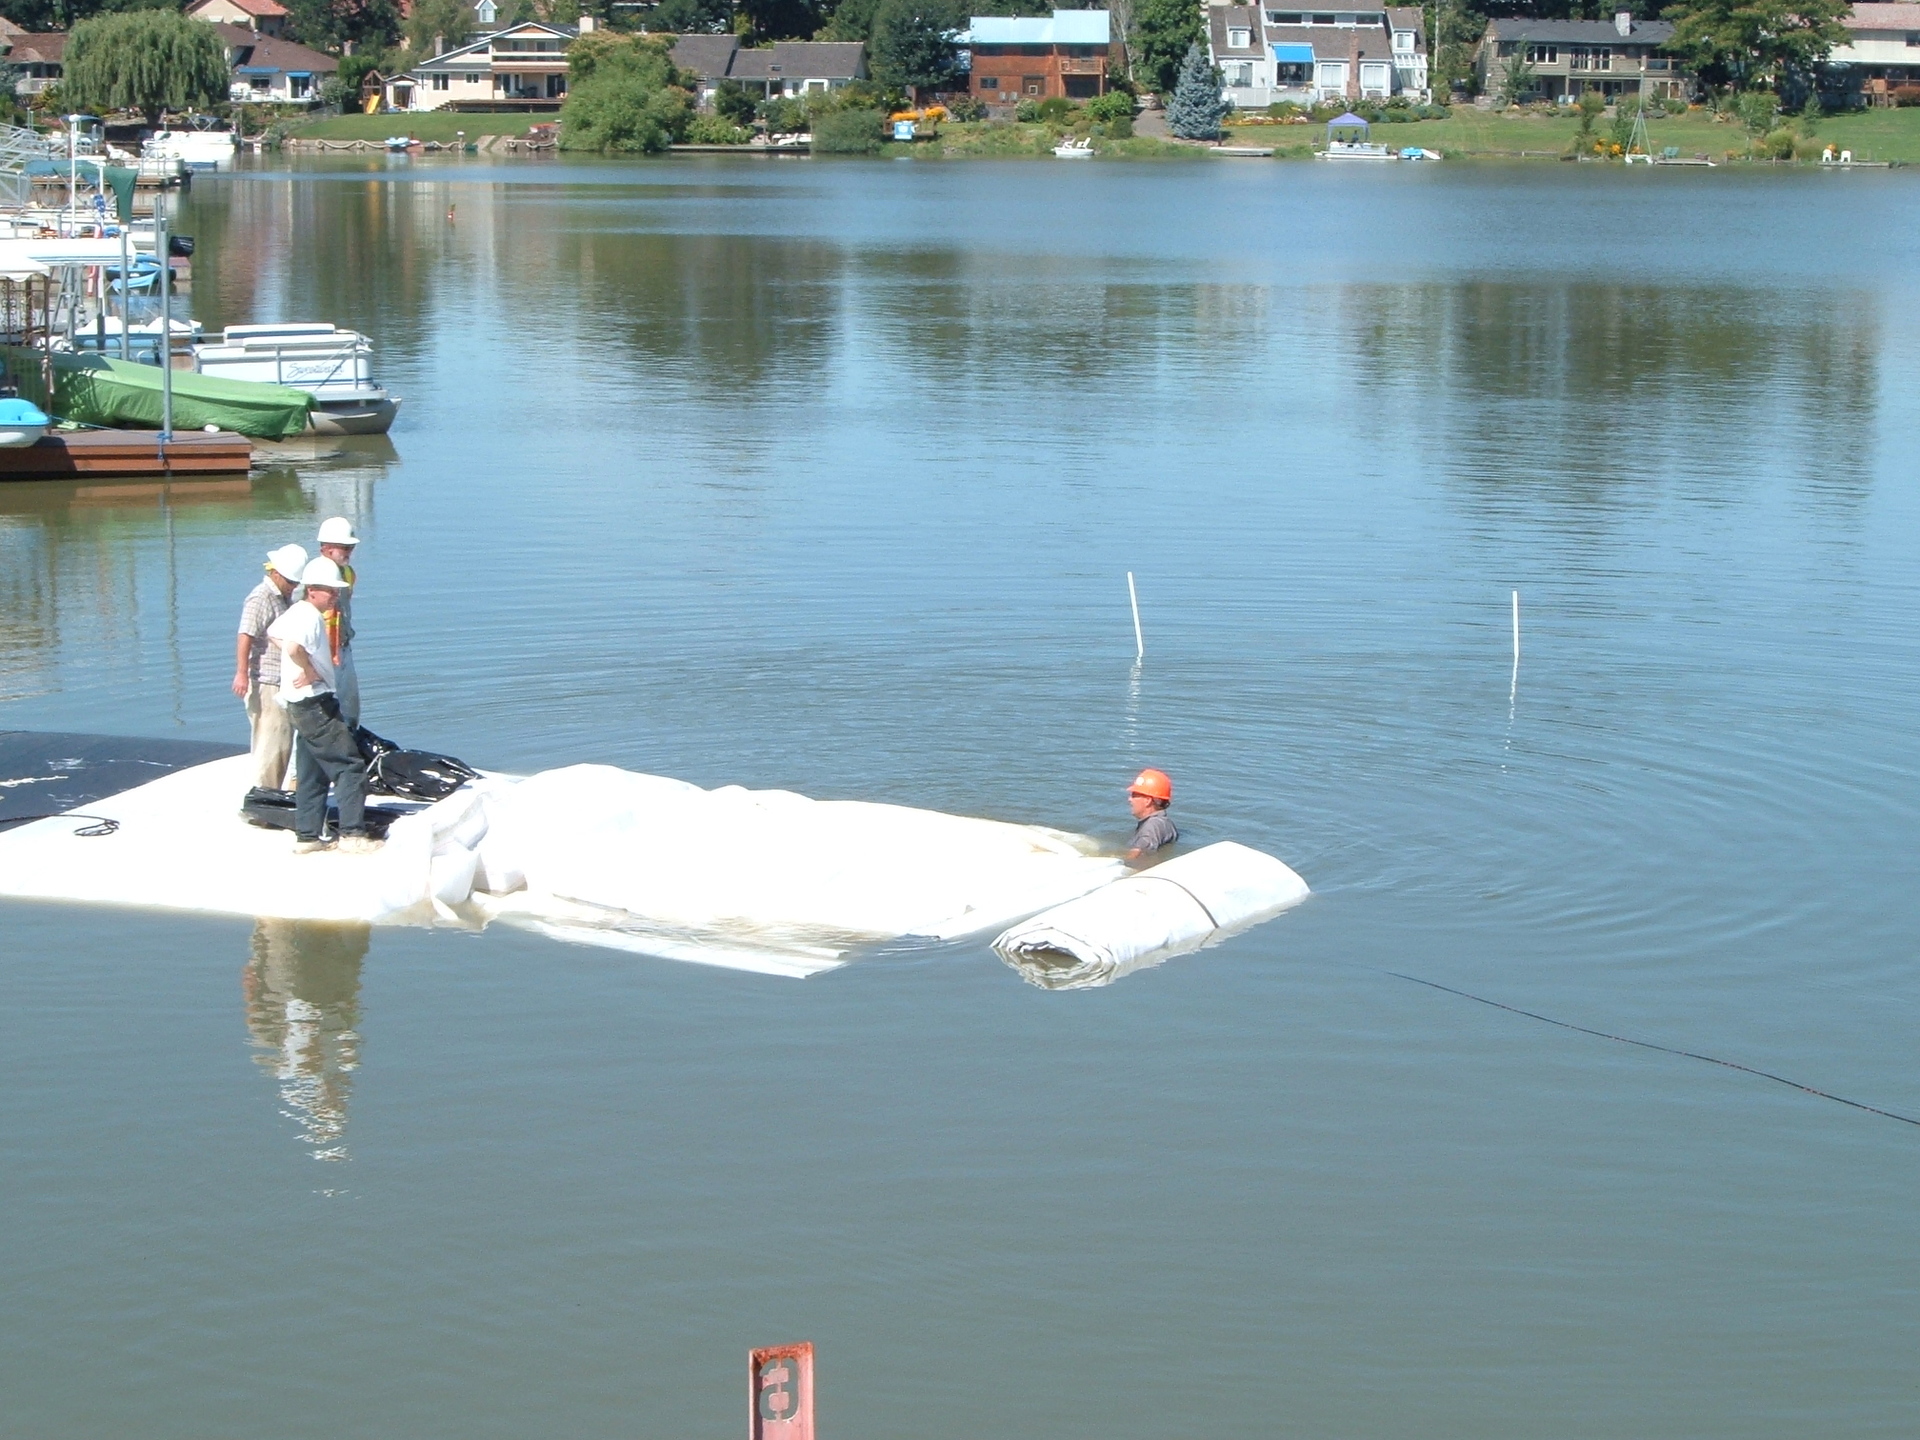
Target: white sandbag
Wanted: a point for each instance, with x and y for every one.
(1177, 906)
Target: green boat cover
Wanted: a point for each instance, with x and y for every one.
(99, 390)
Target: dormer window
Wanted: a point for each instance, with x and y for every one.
(1403, 40)
(1239, 39)
(485, 11)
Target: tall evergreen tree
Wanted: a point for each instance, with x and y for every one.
(913, 44)
(1196, 109)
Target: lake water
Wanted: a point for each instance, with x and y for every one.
(828, 476)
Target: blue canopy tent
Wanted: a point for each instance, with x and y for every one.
(1348, 122)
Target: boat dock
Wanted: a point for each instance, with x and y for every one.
(136, 454)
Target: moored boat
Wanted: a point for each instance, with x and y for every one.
(21, 423)
(1074, 150)
(195, 149)
(334, 366)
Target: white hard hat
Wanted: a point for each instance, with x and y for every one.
(338, 531)
(324, 573)
(288, 560)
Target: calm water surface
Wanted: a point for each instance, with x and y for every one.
(828, 476)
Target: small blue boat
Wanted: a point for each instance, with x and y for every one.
(21, 423)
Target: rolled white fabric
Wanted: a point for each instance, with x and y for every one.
(1173, 908)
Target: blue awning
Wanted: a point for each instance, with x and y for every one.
(257, 69)
(299, 74)
(1293, 54)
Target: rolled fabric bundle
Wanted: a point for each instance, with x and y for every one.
(1177, 906)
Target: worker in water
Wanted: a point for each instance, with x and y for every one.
(1150, 795)
(256, 666)
(336, 544)
(327, 756)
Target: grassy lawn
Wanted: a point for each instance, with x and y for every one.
(1871, 135)
(435, 125)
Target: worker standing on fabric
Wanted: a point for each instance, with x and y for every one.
(1150, 795)
(256, 666)
(336, 544)
(327, 756)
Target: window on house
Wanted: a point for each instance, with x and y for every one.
(440, 82)
(1292, 74)
(299, 86)
(1325, 20)
(1370, 19)
(1033, 84)
(1239, 39)
(473, 77)
(1403, 40)
(1913, 39)
(988, 82)
(1543, 54)
(1240, 75)
(1283, 17)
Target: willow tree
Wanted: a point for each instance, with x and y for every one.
(151, 61)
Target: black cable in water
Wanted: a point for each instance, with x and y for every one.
(101, 826)
(1649, 1045)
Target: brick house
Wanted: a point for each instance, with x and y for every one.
(1266, 56)
(1015, 58)
(1620, 56)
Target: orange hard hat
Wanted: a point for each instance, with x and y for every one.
(1155, 783)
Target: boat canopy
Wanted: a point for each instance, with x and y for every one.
(1348, 121)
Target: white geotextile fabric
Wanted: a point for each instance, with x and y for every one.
(762, 878)
(1177, 906)
(183, 846)
(759, 880)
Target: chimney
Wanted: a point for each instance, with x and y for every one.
(439, 44)
(587, 23)
(1623, 21)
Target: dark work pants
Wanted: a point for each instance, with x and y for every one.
(326, 755)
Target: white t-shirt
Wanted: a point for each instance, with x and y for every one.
(306, 627)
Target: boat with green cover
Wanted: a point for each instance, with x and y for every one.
(94, 389)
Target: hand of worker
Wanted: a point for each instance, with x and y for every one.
(240, 683)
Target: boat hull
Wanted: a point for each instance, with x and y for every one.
(353, 418)
(13, 437)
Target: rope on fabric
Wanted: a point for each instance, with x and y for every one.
(1664, 1049)
(101, 824)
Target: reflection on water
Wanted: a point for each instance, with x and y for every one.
(1575, 392)
(302, 993)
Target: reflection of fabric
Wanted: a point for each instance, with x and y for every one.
(327, 755)
(272, 742)
(302, 992)
(1179, 906)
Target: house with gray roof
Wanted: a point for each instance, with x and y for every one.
(1266, 56)
(1567, 58)
(784, 68)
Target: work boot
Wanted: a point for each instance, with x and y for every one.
(308, 847)
(359, 844)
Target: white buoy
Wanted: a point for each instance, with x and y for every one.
(1516, 629)
(1140, 645)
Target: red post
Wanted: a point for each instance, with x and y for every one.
(780, 1392)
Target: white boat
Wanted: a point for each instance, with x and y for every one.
(21, 423)
(1356, 150)
(196, 149)
(334, 366)
(1074, 149)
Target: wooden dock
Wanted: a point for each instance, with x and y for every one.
(133, 454)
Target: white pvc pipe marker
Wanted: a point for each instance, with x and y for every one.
(1516, 629)
(1139, 644)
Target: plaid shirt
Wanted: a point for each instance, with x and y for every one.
(264, 606)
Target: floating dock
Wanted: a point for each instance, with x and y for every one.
(82, 454)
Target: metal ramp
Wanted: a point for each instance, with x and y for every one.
(19, 147)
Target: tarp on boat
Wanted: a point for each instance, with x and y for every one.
(95, 389)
